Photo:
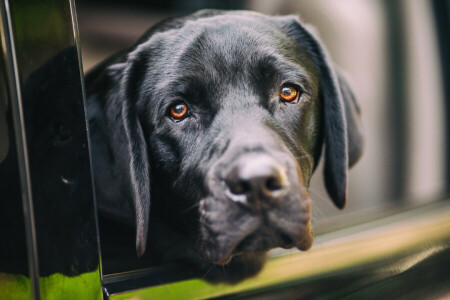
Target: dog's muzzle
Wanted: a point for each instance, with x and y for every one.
(257, 203)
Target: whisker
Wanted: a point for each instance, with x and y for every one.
(213, 266)
(317, 213)
(318, 195)
(225, 273)
(189, 208)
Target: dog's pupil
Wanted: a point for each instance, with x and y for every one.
(287, 91)
(179, 109)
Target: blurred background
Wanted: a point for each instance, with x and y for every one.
(388, 50)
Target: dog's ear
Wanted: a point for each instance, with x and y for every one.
(355, 140)
(137, 151)
(113, 87)
(342, 130)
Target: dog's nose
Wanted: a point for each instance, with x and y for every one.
(256, 179)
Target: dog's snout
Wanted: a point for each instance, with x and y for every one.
(256, 179)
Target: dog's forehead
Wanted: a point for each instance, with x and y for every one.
(215, 43)
(220, 52)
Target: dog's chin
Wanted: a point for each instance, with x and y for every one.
(240, 267)
(262, 240)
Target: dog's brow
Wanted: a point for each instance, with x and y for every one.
(293, 73)
(286, 69)
(297, 76)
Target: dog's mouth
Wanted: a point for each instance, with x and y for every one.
(264, 239)
(230, 229)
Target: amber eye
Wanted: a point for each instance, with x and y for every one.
(289, 94)
(179, 111)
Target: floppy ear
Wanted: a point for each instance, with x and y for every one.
(137, 154)
(112, 89)
(355, 139)
(342, 131)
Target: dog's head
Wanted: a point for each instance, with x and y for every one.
(221, 120)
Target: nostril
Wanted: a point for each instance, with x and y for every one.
(255, 178)
(273, 183)
(240, 187)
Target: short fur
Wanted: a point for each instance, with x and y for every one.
(228, 67)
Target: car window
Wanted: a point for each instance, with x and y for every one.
(394, 229)
(47, 217)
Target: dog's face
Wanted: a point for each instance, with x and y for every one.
(233, 123)
(224, 115)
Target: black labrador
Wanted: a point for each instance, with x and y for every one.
(216, 121)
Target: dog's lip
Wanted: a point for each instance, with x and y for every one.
(302, 240)
(224, 260)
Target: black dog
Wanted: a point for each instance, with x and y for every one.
(218, 120)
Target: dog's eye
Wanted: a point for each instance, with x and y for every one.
(179, 111)
(289, 94)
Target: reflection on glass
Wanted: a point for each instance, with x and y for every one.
(13, 254)
(59, 168)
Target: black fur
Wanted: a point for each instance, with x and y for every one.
(228, 67)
